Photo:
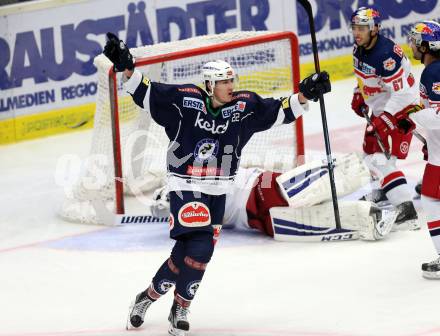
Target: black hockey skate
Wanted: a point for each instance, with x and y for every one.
(178, 321)
(431, 270)
(378, 197)
(407, 218)
(138, 309)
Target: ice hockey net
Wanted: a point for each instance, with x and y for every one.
(127, 146)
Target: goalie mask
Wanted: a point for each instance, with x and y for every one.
(216, 71)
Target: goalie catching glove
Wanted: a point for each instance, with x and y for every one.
(118, 53)
(313, 86)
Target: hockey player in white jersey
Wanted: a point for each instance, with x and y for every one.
(387, 89)
(296, 205)
(424, 40)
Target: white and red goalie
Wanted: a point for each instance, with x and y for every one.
(296, 205)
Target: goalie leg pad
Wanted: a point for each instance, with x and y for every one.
(359, 219)
(309, 184)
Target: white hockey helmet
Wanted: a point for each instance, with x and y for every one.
(215, 71)
(428, 32)
(366, 16)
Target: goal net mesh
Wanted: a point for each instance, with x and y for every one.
(266, 62)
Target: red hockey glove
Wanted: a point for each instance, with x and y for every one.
(358, 103)
(404, 124)
(384, 125)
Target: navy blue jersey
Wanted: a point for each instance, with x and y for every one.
(206, 143)
(384, 77)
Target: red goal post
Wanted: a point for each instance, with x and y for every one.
(135, 147)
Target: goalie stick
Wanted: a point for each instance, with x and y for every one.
(308, 8)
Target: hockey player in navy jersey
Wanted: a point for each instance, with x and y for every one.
(207, 130)
(387, 89)
(424, 39)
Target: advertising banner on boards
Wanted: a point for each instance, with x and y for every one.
(48, 81)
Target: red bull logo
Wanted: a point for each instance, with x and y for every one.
(372, 13)
(423, 29)
(436, 88)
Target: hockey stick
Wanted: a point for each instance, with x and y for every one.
(308, 9)
(419, 136)
(364, 111)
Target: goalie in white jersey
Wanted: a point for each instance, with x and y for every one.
(425, 44)
(296, 205)
(387, 88)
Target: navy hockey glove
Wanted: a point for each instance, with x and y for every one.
(117, 52)
(315, 85)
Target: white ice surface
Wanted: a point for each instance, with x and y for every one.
(59, 278)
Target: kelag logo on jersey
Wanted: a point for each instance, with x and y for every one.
(194, 103)
(206, 150)
(239, 106)
(210, 126)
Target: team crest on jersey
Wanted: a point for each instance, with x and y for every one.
(389, 64)
(194, 103)
(192, 287)
(206, 150)
(436, 88)
(240, 106)
(194, 214)
(165, 285)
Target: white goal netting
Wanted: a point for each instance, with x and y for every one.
(266, 62)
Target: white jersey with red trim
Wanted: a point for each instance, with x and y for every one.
(384, 77)
(429, 117)
(236, 200)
